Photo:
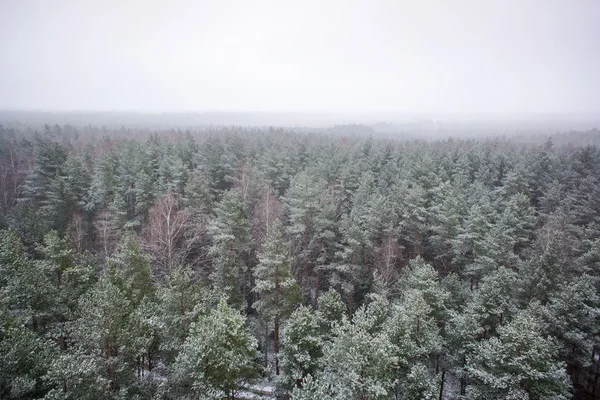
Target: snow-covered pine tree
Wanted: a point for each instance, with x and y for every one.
(278, 292)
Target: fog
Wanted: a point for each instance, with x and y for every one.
(369, 57)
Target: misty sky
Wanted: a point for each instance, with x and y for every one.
(328, 56)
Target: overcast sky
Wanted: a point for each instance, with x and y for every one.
(450, 56)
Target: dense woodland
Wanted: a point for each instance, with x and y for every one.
(218, 263)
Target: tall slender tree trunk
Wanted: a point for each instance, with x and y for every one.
(351, 300)
(276, 345)
(306, 250)
(463, 382)
(266, 344)
(276, 328)
(417, 243)
(362, 393)
(318, 272)
(597, 373)
(107, 355)
(181, 313)
(442, 385)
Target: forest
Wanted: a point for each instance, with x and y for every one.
(232, 262)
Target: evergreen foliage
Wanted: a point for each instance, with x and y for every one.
(138, 264)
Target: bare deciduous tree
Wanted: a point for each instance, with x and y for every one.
(244, 175)
(388, 256)
(173, 235)
(13, 170)
(105, 229)
(266, 212)
(76, 231)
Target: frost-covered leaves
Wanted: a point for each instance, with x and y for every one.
(98, 364)
(180, 301)
(573, 318)
(413, 329)
(520, 363)
(278, 291)
(218, 356)
(130, 270)
(230, 232)
(418, 384)
(24, 361)
(28, 291)
(302, 346)
(312, 389)
(331, 311)
(359, 363)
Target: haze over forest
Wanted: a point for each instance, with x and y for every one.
(433, 58)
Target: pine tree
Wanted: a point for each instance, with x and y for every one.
(211, 162)
(312, 389)
(418, 384)
(72, 276)
(230, 231)
(331, 311)
(494, 303)
(469, 245)
(24, 362)
(218, 356)
(413, 214)
(45, 185)
(278, 291)
(97, 365)
(172, 175)
(198, 195)
(359, 229)
(180, 301)
(27, 294)
(520, 363)
(302, 346)
(413, 329)
(445, 217)
(304, 204)
(359, 364)
(571, 317)
(129, 269)
(421, 276)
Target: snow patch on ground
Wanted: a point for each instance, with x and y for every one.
(257, 391)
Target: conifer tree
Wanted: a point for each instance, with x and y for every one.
(98, 365)
(219, 355)
(180, 302)
(25, 358)
(304, 202)
(44, 187)
(359, 364)
(302, 346)
(230, 231)
(28, 295)
(331, 311)
(520, 363)
(278, 291)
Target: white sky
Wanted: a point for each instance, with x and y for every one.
(454, 56)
